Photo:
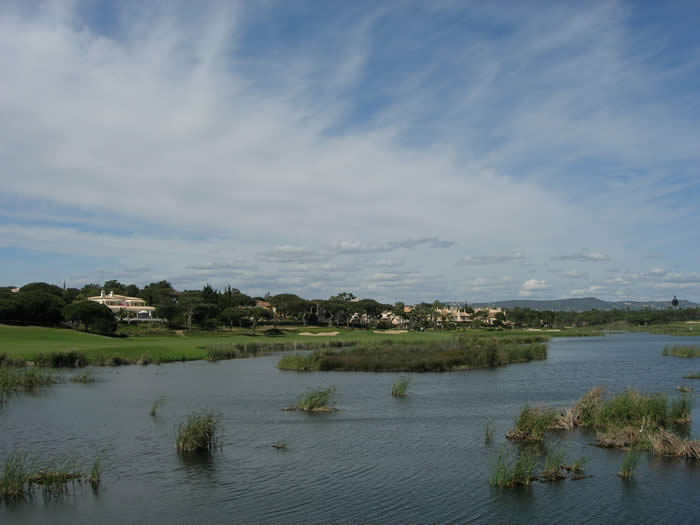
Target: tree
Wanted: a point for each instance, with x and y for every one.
(258, 314)
(675, 302)
(43, 288)
(343, 297)
(115, 287)
(231, 315)
(91, 314)
(188, 301)
(40, 308)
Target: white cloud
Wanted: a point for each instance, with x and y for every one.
(533, 286)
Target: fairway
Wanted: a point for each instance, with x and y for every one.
(28, 342)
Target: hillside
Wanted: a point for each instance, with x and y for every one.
(586, 303)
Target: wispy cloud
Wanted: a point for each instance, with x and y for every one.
(478, 260)
(178, 140)
(582, 257)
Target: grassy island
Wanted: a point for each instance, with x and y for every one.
(457, 353)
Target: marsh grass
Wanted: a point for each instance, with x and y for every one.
(85, 377)
(157, 404)
(664, 443)
(221, 351)
(554, 465)
(696, 375)
(488, 432)
(280, 445)
(449, 354)
(400, 388)
(532, 424)
(682, 350)
(95, 476)
(199, 433)
(629, 464)
(300, 362)
(316, 400)
(14, 380)
(15, 476)
(508, 472)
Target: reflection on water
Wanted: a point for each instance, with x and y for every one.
(380, 459)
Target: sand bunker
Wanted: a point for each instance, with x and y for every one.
(320, 334)
(390, 332)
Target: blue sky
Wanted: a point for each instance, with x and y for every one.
(399, 150)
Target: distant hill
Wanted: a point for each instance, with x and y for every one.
(587, 303)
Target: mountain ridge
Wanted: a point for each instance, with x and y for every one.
(582, 304)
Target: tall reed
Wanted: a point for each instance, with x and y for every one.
(199, 433)
(400, 388)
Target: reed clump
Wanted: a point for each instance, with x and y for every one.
(85, 377)
(696, 375)
(400, 388)
(157, 404)
(682, 350)
(508, 472)
(21, 475)
(532, 424)
(316, 400)
(280, 445)
(488, 432)
(629, 464)
(554, 466)
(300, 362)
(665, 443)
(15, 477)
(199, 433)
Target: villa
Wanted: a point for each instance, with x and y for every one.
(133, 307)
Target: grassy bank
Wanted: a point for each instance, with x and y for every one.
(458, 353)
(64, 347)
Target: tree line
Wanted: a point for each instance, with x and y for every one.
(208, 309)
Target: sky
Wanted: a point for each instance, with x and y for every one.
(399, 150)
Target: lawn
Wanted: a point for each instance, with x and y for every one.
(30, 341)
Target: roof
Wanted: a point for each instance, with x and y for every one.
(115, 296)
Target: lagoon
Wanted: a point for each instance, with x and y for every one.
(379, 459)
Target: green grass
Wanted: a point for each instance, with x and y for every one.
(554, 465)
(316, 400)
(157, 404)
(532, 424)
(508, 472)
(199, 433)
(400, 388)
(629, 464)
(300, 362)
(682, 350)
(15, 380)
(462, 352)
(15, 475)
(96, 472)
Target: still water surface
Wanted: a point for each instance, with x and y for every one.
(421, 459)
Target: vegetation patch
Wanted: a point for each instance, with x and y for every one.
(488, 432)
(696, 375)
(664, 443)
(458, 353)
(21, 475)
(280, 445)
(682, 350)
(532, 424)
(509, 472)
(400, 388)
(316, 400)
(157, 404)
(199, 433)
(554, 466)
(71, 359)
(629, 464)
(85, 377)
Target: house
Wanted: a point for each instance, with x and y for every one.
(133, 307)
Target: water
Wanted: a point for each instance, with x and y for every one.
(421, 459)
